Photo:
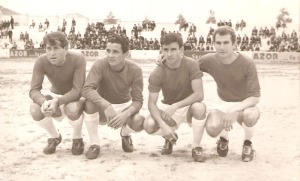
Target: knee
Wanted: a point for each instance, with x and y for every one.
(214, 124)
(150, 126)
(198, 110)
(251, 116)
(137, 122)
(73, 110)
(89, 107)
(36, 113)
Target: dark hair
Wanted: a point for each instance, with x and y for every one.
(119, 40)
(56, 38)
(171, 38)
(225, 30)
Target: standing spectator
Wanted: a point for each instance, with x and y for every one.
(266, 32)
(72, 29)
(64, 23)
(26, 36)
(63, 29)
(124, 31)
(40, 27)
(12, 21)
(238, 40)
(10, 34)
(47, 23)
(22, 38)
(272, 31)
(73, 22)
(211, 31)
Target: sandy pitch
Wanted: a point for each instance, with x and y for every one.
(276, 140)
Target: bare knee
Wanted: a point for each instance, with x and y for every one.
(137, 122)
(214, 124)
(73, 110)
(150, 126)
(89, 107)
(198, 110)
(36, 113)
(251, 116)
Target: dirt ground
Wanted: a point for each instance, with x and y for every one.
(276, 140)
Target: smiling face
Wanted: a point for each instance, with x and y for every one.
(115, 56)
(56, 54)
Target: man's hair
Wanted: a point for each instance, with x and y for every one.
(171, 38)
(122, 40)
(225, 30)
(56, 38)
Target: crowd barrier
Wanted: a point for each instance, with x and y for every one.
(152, 54)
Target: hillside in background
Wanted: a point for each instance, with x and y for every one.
(5, 11)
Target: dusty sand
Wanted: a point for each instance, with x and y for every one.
(276, 140)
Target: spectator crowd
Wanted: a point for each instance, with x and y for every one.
(96, 35)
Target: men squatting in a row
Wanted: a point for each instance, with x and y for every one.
(112, 94)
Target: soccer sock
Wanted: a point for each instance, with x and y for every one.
(77, 127)
(92, 122)
(63, 115)
(126, 130)
(48, 125)
(198, 129)
(224, 134)
(249, 131)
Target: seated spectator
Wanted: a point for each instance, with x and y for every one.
(261, 32)
(32, 24)
(278, 25)
(254, 31)
(40, 27)
(237, 25)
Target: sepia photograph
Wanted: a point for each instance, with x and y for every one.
(150, 90)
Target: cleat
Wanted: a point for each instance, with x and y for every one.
(168, 147)
(52, 144)
(197, 154)
(222, 147)
(248, 151)
(77, 146)
(127, 144)
(93, 152)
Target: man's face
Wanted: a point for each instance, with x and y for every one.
(115, 54)
(56, 54)
(223, 45)
(172, 53)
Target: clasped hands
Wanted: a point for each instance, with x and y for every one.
(115, 120)
(49, 107)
